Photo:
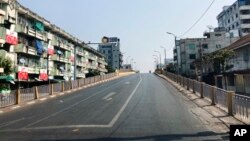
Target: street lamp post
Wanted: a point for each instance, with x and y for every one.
(127, 59)
(165, 60)
(131, 62)
(175, 41)
(159, 56)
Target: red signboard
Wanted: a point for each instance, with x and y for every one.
(50, 51)
(23, 75)
(43, 76)
(11, 37)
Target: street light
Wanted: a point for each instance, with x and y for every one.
(165, 63)
(159, 56)
(127, 59)
(175, 41)
(131, 62)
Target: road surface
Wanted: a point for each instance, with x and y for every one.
(136, 107)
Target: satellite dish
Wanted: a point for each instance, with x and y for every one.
(210, 27)
(22, 60)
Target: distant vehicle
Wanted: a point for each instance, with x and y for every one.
(150, 71)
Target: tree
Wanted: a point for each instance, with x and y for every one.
(110, 69)
(221, 59)
(6, 64)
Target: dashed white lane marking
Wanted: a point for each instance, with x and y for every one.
(43, 99)
(15, 107)
(113, 121)
(32, 102)
(127, 83)
(107, 97)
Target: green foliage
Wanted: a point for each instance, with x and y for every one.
(110, 69)
(6, 63)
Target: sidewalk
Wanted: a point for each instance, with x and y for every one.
(213, 116)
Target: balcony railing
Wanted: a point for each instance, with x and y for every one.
(25, 49)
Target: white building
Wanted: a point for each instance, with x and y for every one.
(191, 49)
(236, 18)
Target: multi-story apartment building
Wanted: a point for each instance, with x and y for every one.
(236, 18)
(110, 47)
(191, 49)
(40, 50)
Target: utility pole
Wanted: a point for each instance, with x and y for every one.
(165, 60)
(175, 41)
(159, 56)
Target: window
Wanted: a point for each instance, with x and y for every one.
(217, 34)
(192, 67)
(218, 46)
(205, 46)
(236, 15)
(192, 56)
(191, 46)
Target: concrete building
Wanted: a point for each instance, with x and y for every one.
(236, 18)
(110, 47)
(190, 49)
(40, 50)
(238, 76)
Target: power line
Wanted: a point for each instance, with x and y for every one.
(199, 18)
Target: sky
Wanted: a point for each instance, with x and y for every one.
(141, 25)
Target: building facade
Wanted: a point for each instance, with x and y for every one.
(110, 47)
(191, 49)
(40, 50)
(236, 18)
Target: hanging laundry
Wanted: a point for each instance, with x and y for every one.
(39, 47)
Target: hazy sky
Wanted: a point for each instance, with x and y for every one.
(141, 25)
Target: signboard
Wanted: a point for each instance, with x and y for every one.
(110, 39)
(113, 39)
(72, 58)
(43, 75)
(51, 50)
(1, 70)
(23, 73)
(11, 37)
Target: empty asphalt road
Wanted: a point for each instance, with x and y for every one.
(135, 107)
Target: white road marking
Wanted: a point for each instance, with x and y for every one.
(32, 102)
(71, 106)
(43, 99)
(127, 83)
(113, 121)
(15, 107)
(53, 96)
(109, 96)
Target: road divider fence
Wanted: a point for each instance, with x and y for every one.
(23, 95)
(234, 104)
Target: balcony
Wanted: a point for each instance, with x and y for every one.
(64, 46)
(21, 48)
(2, 35)
(21, 29)
(31, 70)
(2, 16)
(245, 16)
(56, 72)
(245, 25)
(244, 7)
(59, 59)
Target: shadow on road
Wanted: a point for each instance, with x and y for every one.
(202, 136)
